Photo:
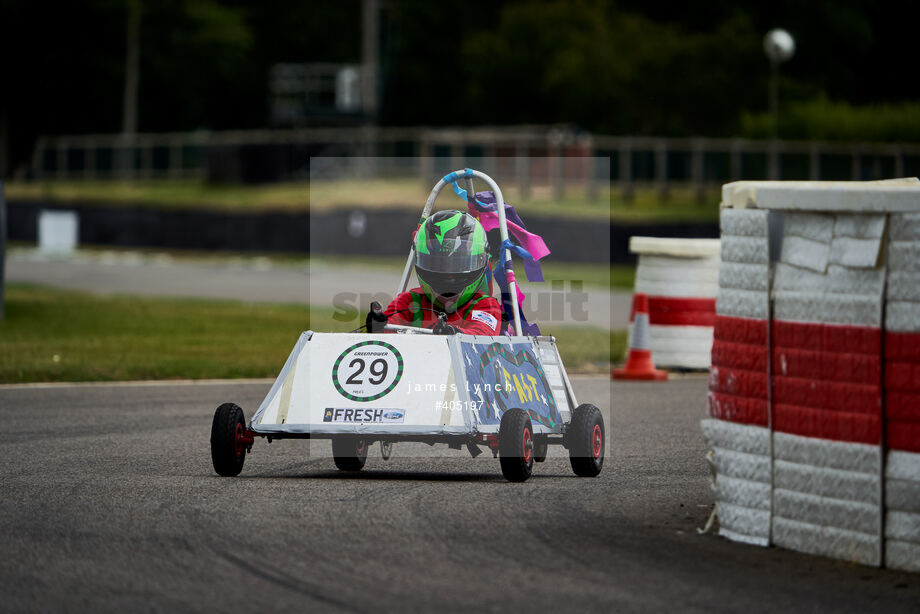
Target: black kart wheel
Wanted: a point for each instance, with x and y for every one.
(349, 453)
(586, 439)
(540, 448)
(228, 452)
(516, 445)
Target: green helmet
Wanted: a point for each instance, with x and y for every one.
(451, 255)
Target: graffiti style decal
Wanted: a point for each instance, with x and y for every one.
(500, 377)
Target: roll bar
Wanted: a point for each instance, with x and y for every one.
(468, 174)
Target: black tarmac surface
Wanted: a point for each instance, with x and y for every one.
(109, 503)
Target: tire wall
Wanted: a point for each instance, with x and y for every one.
(826, 387)
(843, 425)
(902, 394)
(737, 430)
(741, 461)
(681, 279)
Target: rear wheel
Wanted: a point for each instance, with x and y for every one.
(586, 438)
(349, 453)
(540, 448)
(228, 452)
(515, 445)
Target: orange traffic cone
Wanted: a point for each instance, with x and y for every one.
(639, 363)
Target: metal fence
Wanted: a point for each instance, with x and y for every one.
(282, 155)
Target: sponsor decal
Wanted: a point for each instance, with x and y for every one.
(367, 371)
(484, 317)
(362, 415)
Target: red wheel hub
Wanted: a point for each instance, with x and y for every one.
(527, 445)
(597, 441)
(238, 439)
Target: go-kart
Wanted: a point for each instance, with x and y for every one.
(509, 393)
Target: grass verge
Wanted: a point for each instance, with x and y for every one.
(645, 204)
(52, 335)
(167, 193)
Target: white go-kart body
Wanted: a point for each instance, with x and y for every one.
(402, 385)
(509, 393)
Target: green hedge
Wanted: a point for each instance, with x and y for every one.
(827, 120)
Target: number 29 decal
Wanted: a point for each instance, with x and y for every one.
(367, 371)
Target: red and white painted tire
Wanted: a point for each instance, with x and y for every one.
(681, 279)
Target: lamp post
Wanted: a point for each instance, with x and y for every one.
(779, 47)
(129, 98)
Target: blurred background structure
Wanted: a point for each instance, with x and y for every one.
(203, 128)
(244, 91)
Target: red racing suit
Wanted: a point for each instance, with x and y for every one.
(481, 315)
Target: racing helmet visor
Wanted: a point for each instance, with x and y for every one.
(461, 254)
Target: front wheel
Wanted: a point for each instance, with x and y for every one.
(349, 453)
(585, 437)
(228, 451)
(515, 445)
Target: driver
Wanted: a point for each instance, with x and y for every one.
(452, 254)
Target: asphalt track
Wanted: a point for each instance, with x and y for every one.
(109, 503)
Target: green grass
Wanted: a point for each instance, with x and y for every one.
(587, 349)
(680, 205)
(177, 194)
(622, 277)
(411, 194)
(55, 335)
(646, 204)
